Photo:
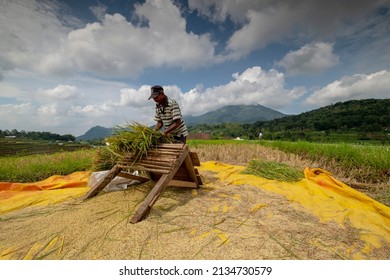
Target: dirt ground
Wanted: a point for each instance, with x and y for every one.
(218, 221)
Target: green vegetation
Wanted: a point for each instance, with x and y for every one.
(23, 146)
(369, 115)
(274, 170)
(36, 135)
(372, 158)
(34, 168)
(135, 139)
(352, 121)
(131, 140)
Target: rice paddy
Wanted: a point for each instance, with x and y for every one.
(365, 167)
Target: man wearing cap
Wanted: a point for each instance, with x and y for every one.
(168, 115)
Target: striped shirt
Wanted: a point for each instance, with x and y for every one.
(168, 113)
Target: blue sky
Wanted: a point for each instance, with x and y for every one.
(66, 66)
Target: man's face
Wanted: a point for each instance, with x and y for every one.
(159, 98)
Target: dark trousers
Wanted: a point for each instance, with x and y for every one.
(180, 139)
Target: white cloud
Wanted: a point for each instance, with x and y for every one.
(134, 98)
(9, 110)
(116, 47)
(17, 116)
(219, 11)
(360, 86)
(91, 110)
(8, 90)
(99, 11)
(30, 29)
(264, 22)
(37, 36)
(310, 59)
(48, 110)
(253, 86)
(62, 92)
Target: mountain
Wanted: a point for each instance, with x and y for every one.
(95, 133)
(235, 114)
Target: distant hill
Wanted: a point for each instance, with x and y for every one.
(95, 133)
(353, 115)
(235, 114)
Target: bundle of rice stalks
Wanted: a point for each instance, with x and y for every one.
(133, 140)
(104, 159)
(273, 170)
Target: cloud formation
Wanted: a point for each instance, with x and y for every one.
(312, 58)
(253, 86)
(359, 86)
(111, 47)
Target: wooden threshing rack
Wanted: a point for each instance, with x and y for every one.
(168, 165)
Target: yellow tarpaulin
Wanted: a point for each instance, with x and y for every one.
(320, 193)
(55, 189)
(323, 195)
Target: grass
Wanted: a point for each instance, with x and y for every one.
(24, 147)
(274, 170)
(369, 163)
(38, 167)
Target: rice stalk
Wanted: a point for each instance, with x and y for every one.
(130, 141)
(273, 170)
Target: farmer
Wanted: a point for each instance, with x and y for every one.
(168, 115)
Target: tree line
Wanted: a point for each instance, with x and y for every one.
(36, 135)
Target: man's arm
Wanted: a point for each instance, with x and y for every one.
(172, 127)
(158, 126)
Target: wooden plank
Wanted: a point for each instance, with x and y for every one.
(133, 177)
(198, 178)
(182, 174)
(190, 169)
(172, 146)
(195, 159)
(141, 168)
(167, 153)
(147, 204)
(152, 159)
(184, 184)
(154, 166)
(100, 185)
(157, 163)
